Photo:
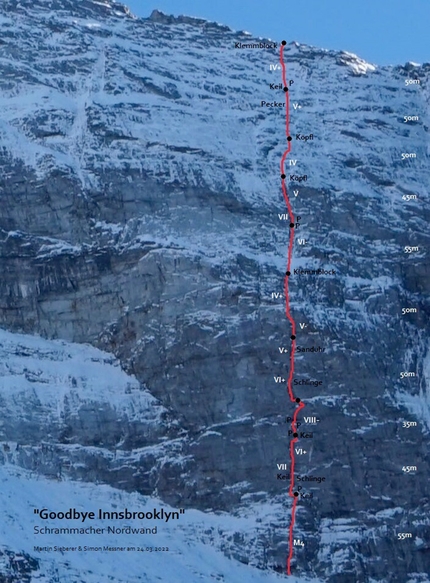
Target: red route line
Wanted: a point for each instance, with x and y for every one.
(288, 314)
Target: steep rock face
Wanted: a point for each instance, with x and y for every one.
(140, 213)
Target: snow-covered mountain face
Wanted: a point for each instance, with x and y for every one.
(140, 214)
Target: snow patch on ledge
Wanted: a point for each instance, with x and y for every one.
(358, 66)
